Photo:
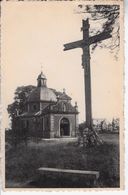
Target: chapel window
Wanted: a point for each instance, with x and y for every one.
(34, 107)
(64, 107)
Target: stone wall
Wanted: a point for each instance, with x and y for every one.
(48, 126)
(55, 124)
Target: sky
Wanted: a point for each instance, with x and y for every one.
(33, 35)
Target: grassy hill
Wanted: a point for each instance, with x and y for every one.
(22, 162)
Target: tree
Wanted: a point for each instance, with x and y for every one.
(18, 107)
(19, 104)
(103, 125)
(115, 124)
(107, 18)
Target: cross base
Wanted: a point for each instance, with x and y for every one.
(88, 137)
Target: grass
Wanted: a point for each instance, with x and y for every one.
(22, 163)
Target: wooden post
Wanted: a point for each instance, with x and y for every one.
(87, 74)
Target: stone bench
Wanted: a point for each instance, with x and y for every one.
(68, 178)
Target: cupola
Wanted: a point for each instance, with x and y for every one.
(41, 80)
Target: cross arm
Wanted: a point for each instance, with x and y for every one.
(73, 45)
(81, 43)
(100, 37)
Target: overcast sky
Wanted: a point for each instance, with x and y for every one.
(33, 34)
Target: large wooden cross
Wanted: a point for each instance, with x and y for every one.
(84, 44)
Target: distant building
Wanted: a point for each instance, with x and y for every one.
(48, 113)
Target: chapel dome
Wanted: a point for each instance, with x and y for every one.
(42, 94)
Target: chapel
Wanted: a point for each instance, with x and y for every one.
(49, 113)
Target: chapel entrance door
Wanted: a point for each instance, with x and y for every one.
(64, 127)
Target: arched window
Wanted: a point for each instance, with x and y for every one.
(64, 107)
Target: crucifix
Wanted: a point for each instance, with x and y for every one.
(85, 45)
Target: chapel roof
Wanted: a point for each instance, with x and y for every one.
(61, 95)
(43, 93)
